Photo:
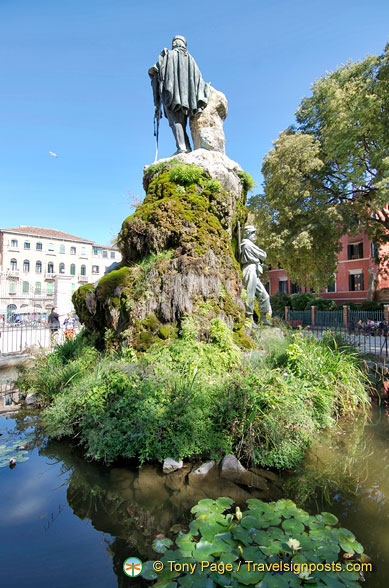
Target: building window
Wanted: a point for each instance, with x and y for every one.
(26, 265)
(62, 248)
(355, 282)
(14, 243)
(83, 270)
(12, 287)
(39, 247)
(112, 255)
(27, 244)
(26, 287)
(38, 267)
(283, 286)
(50, 287)
(73, 250)
(50, 268)
(83, 251)
(95, 251)
(50, 247)
(72, 270)
(331, 288)
(73, 288)
(294, 288)
(355, 251)
(95, 269)
(61, 268)
(105, 253)
(38, 288)
(14, 264)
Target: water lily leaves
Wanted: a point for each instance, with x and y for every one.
(259, 505)
(165, 579)
(224, 502)
(148, 572)
(246, 577)
(273, 548)
(185, 543)
(277, 581)
(351, 547)
(12, 448)
(203, 551)
(327, 518)
(251, 522)
(261, 537)
(161, 545)
(292, 527)
(242, 535)
(266, 533)
(206, 505)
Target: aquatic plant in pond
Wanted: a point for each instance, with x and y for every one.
(223, 544)
(13, 449)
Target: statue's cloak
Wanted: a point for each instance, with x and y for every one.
(177, 82)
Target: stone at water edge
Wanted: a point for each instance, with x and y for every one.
(231, 464)
(171, 465)
(204, 469)
(232, 470)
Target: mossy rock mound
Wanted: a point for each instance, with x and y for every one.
(177, 256)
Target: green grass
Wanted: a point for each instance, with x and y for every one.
(186, 398)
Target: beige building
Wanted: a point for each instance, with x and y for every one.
(41, 268)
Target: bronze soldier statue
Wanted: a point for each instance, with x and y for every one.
(178, 86)
(251, 258)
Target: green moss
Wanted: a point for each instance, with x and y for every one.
(108, 283)
(243, 340)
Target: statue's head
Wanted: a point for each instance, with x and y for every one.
(249, 232)
(179, 41)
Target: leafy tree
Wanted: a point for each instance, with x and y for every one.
(328, 171)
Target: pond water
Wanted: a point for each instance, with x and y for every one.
(65, 522)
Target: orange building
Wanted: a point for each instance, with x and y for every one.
(357, 278)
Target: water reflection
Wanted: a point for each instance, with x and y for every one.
(57, 492)
(134, 505)
(347, 474)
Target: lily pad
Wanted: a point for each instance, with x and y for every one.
(161, 545)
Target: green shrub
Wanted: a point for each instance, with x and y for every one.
(302, 301)
(279, 300)
(247, 181)
(323, 304)
(222, 540)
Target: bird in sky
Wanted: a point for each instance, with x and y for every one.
(53, 154)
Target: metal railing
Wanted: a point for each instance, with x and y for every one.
(333, 318)
(373, 341)
(365, 315)
(25, 338)
(301, 315)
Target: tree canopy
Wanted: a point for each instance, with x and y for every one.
(328, 173)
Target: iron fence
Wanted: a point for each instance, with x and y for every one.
(330, 318)
(24, 338)
(365, 315)
(301, 315)
(373, 341)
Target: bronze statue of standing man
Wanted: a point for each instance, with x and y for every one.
(251, 259)
(178, 86)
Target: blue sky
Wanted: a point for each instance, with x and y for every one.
(73, 80)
